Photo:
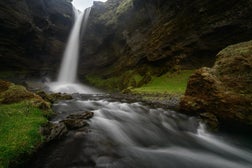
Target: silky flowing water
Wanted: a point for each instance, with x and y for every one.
(134, 135)
(125, 134)
(67, 81)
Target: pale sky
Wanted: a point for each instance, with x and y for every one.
(83, 4)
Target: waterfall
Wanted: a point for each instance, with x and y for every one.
(67, 79)
(68, 69)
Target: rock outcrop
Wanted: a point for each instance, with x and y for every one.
(125, 34)
(33, 33)
(225, 90)
(58, 130)
(11, 93)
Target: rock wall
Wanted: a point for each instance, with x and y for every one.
(225, 90)
(33, 33)
(125, 34)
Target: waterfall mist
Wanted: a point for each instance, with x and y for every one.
(67, 79)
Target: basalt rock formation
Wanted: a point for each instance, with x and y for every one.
(174, 34)
(33, 33)
(225, 90)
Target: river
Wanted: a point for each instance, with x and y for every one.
(125, 134)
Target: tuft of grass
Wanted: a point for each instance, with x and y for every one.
(172, 83)
(19, 130)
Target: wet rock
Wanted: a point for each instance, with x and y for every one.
(210, 120)
(83, 115)
(57, 131)
(76, 121)
(54, 131)
(225, 90)
(53, 97)
(73, 124)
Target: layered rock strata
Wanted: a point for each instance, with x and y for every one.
(126, 34)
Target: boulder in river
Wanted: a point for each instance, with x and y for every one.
(56, 131)
(225, 90)
(76, 121)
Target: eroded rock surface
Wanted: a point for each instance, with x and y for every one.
(33, 33)
(128, 34)
(225, 90)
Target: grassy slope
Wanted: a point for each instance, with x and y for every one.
(20, 120)
(19, 130)
(169, 83)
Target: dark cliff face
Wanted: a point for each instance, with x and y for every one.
(33, 33)
(170, 34)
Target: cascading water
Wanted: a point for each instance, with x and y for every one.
(135, 135)
(131, 135)
(68, 71)
(68, 67)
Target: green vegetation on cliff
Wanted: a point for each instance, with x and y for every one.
(21, 115)
(131, 81)
(172, 83)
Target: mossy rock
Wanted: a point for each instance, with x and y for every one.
(16, 93)
(53, 97)
(225, 89)
(4, 85)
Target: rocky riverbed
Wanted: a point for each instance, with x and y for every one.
(124, 132)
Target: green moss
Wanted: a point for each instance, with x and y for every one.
(109, 83)
(111, 16)
(124, 6)
(19, 130)
(21, 115)
(116, 83)
(168, 83)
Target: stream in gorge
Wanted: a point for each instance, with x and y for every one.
(126, 134)
(131, 134)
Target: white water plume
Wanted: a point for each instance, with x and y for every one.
(67, 78)
(68, 69)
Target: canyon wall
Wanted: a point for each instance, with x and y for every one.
(167, 34)
(33, 33)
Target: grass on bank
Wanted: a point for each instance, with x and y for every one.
(169, 83)
(21, 115)
(19, 130)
